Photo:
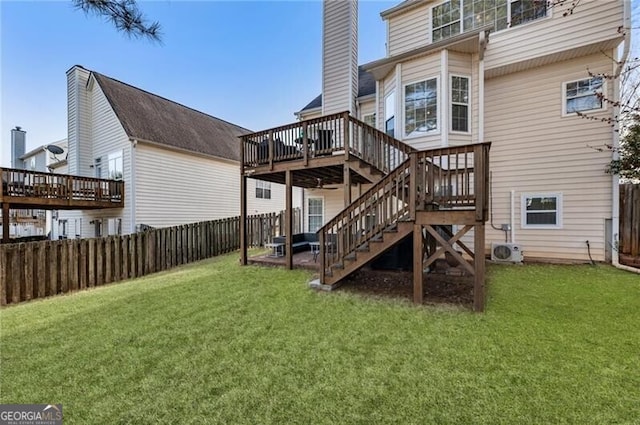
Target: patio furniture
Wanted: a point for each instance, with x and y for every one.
(277, 249)
(300, 242)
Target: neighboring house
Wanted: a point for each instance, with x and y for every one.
(35, 222)
(511, 72)
(179, 165)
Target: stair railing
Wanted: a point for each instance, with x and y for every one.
(377, 209)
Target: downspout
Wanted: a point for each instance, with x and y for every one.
(615, 207)
(132, 185)
(483, 46)
(513, 216)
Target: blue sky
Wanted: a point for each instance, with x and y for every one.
(251, 63)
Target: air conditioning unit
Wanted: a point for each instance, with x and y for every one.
(506, 253)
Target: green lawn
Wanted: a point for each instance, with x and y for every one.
(214, 342)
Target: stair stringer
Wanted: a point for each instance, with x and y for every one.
(377, 247)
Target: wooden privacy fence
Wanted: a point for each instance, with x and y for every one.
(629, 246)
(41, 269)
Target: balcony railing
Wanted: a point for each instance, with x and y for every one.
(33, 187)
(320, 137)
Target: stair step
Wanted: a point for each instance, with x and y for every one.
(350, 257)
(363, 248)
(337, 266)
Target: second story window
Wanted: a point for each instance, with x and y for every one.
(582, 95)
(390, 114)
(263, 189)
(420, 107)
(459, 104)
(115, 165)
(454, 17)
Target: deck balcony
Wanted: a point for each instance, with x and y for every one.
(410, 192)
(24, 189)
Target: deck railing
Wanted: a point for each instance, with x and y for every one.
(328, 135)
(448, 178)
(18, 184)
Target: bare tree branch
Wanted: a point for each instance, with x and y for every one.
(124, 14)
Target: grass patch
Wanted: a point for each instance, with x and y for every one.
(214, 342)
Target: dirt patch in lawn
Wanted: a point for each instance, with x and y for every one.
(438, 287)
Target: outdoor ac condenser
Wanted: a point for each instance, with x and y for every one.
(506, 253)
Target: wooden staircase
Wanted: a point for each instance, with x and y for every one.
(430, 188)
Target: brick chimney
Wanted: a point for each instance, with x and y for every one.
(339, 55)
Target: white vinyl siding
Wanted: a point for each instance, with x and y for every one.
(409, 30)
(79, 120)
(556, 38)
(340, 69)
(178, 188)
(104, 135)
(549, 154)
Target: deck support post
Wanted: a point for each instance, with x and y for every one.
(418, 255)
(243, 220)
(479, 268)
(347, 185)
(289, 219)
(5, 222)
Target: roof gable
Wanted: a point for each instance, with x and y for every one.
(149, 117)
(366, 86)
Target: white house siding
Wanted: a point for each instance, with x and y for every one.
(333, 201)
(409, 30)
(535, 149)
(590, 22)
(105, 135)
(367, 107)
(177, 188)
(339, 53)
(79, 119)
(277, 202)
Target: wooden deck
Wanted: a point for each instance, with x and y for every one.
(25, 189)
(423, 193)
(301, 260)
(36, 190)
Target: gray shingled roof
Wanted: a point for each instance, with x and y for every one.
(366, 86)
(149, 117)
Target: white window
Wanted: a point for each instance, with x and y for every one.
(454, 17)
(522, 11)
(460, 104)
(115, 165)
(370, 119)
(583, 95)
(97, 168)
(446, 20)
(542, 210)
(390, 114)
(115, 226)
(263, 189)
(421, 107)
(315, 213)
